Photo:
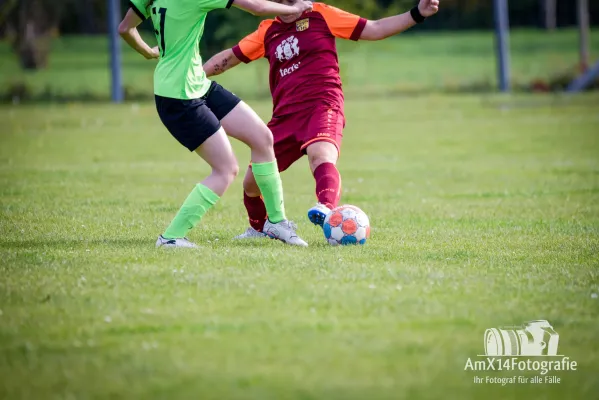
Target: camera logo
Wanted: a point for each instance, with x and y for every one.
(531, 348)
(534, 338)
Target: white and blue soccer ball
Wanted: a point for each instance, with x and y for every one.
(346, 225)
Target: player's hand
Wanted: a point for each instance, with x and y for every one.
(155, 54)
(428, 7)
(303, 6)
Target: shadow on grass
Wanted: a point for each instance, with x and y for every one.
(74, 243)
(270, 242)
(149, 243)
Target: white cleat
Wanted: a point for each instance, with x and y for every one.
(183, 243)
(285, 231)
(318, 214)
(250, 233)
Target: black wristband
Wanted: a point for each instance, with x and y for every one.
(415, 13)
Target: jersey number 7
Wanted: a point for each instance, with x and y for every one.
(162, 12)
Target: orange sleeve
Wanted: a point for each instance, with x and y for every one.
(342, 24)
(251, 47)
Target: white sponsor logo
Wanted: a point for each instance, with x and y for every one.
(288, 49)
(511, 349)
(287, 71)
(534, 338)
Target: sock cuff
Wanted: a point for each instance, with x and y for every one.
(267, 168)
(207, 194)
(324, 168)
(250, 198)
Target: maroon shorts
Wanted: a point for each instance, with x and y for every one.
(294, 132)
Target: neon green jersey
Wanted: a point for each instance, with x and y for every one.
(179, 25)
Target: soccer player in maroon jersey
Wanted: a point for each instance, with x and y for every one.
(306, 89)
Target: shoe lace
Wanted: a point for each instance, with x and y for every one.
(292, 225)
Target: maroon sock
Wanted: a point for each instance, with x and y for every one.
(328, 184)
(256, 211)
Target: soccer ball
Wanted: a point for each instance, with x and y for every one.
(346, 225)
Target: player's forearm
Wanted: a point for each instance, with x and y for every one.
(264, 7)
(133, 39)
(386, 27)
(128, 31)
(221, 62)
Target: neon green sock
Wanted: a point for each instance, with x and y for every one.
(200, 200)
(269, 181)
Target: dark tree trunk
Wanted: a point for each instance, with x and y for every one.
(584, 29)
(33, 23)
(549, 14)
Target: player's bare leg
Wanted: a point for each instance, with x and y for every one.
(217, 152)
(322, 157)
(245, 125)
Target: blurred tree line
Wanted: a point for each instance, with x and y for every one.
(30, 25)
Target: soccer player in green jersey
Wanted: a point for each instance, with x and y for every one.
(200, 113)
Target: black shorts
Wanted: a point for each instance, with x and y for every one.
(191, 122)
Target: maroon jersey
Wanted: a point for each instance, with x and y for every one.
(304, 68)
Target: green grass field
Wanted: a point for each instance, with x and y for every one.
(485, 213)
(431, 62)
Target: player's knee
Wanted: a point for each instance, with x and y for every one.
(233, 171)
(262, 139)
(228, 172)
(269, 140)
(318, 160)
(320, 153)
